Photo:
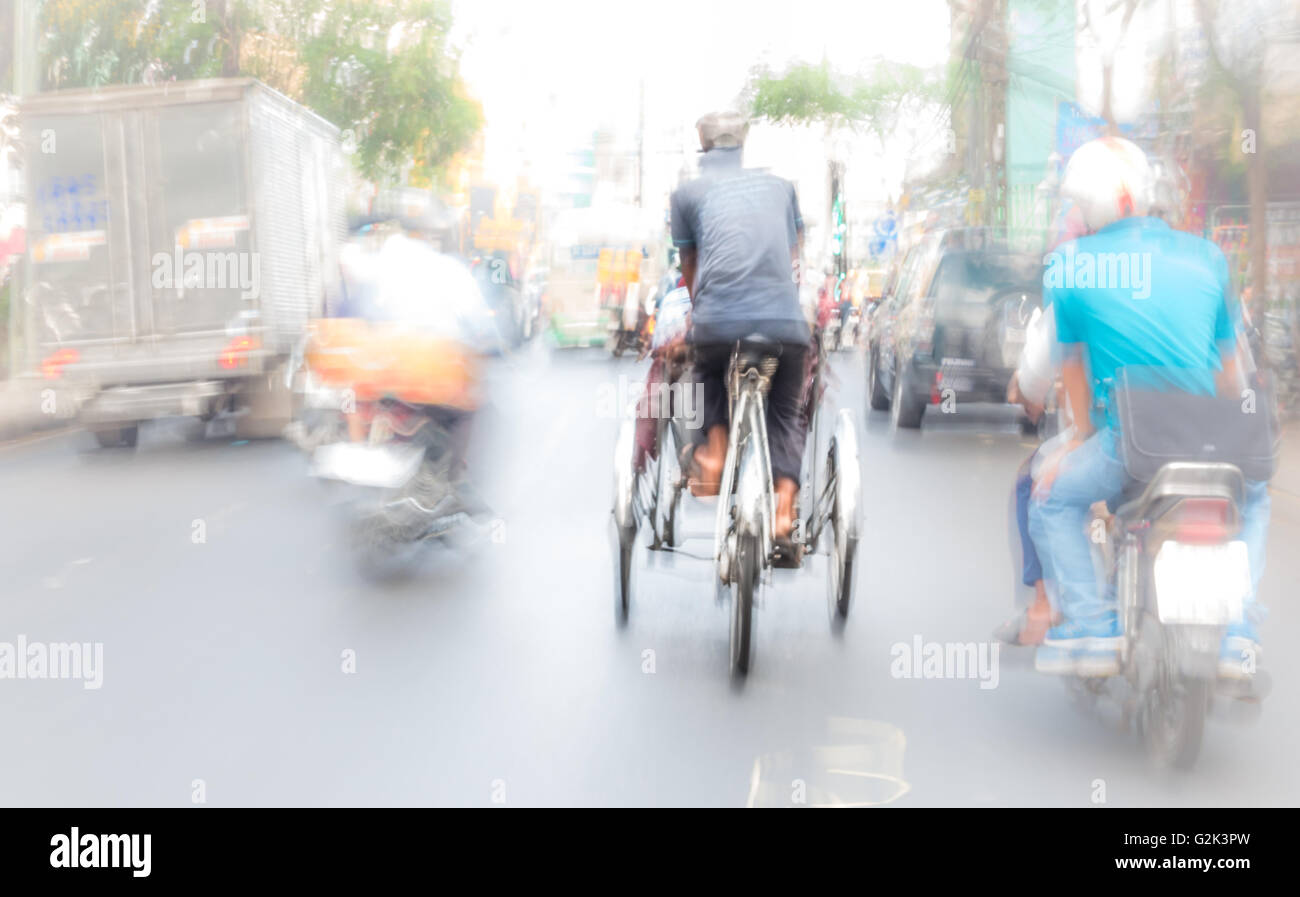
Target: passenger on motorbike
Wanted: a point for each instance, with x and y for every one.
(739, 233)
(1030, 386)
(1181, 319)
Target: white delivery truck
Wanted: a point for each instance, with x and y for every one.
(180, 237)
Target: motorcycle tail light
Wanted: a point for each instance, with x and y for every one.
(1202, 520)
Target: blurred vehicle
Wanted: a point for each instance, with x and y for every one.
(180, 239)
(952, 326)
(1181, 575)
(536, 281)
(827, 324)
(504, 294)
(405, 360)
(647, 495)
(873, 284)
(599, 260)
(851, 328)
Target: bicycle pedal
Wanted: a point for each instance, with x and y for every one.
(787, 554)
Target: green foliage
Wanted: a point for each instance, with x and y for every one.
(808, 94)
(380, 69)
(404, 104)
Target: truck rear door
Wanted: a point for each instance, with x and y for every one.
(199, 221)
(79, 286)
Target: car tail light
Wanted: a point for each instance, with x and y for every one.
(52, 365)
(235, 355)
(1202, 520)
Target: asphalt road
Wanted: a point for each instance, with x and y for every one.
(214, 577)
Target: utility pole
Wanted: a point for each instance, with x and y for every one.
(640, 149)
(24, 48)
(993, 72)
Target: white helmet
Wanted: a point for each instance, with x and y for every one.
(1109, 179)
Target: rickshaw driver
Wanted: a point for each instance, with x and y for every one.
(740, 233)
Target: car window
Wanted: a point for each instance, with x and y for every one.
(928, 261)
(920, 265)
(899, 293)
(976, 278)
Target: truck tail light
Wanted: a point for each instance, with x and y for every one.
(52, 365)
(235, 355)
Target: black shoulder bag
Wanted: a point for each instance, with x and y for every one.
(1159, 426)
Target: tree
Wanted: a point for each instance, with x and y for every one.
(1238, 50)
(381, 70)
(812, 94)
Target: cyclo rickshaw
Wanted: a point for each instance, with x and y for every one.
(648, 487)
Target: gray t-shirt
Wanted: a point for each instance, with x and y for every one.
(743, 225)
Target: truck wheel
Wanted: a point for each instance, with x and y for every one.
(118, 437)
(267, 403)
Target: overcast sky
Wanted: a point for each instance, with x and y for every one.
(549, 73)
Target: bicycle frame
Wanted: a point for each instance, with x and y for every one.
(748, 421)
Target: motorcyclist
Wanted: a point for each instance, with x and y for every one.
(739, 233)
(400, 286)
(1185, 321)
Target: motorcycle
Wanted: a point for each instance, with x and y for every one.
(850, 328)
(405, 482)
(831, 335)
(626, 320)
(399, 382)
(1180, 577)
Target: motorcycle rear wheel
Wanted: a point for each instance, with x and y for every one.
(1173, 722)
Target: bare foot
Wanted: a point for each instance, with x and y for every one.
(709, 481)
(786, 490)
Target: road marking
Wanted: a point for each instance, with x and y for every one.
(32, 439)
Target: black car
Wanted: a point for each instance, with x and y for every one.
(952, 327)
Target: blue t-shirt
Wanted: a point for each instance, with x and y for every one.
(743, 225)
(1140, 296)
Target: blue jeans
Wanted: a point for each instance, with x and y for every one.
(1094, 472)
(1031, 569)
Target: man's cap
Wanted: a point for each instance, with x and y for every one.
(722, 129)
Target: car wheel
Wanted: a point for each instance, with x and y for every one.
(906, 407)
(876, 394)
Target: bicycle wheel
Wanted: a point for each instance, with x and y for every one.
(810, 488)
(843, 480)
(844, 548)
(625, 521)
(669, 488)
(746, 577)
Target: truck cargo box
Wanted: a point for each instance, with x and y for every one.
(182, 232)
